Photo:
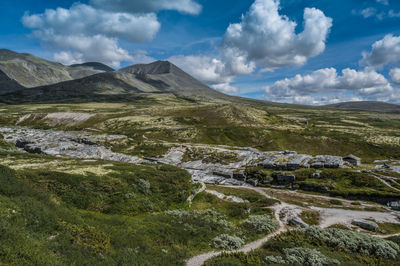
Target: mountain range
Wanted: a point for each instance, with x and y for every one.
(367, 105)
(25, 78)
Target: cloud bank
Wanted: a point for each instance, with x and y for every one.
(350, 85)
(91, 33)
(263, 39)
(269, 40)
(395, 75)
(146, 6)
(383, 52)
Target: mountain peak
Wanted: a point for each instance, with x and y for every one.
(155, 68)
(6, 54)
(94, 65)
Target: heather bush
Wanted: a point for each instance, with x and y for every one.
(353, 242)
(227, 242)
(210, 218)
(301, 256)
(261, 223)
(234, 258)
(144, 186)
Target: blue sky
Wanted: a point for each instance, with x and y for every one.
(193, 34)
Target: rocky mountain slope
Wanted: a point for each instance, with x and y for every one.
(368, 106)
(30, 71)
(7, 84)
(126, 84)
(168, 77)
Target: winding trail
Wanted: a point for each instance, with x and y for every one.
(380, 178)
(329, 216)
(202, 258)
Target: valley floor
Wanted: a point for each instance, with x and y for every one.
(145, 186)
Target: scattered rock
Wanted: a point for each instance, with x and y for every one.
(365, 224)
(298, 222)
(64, 143)
(299, 161)
(226, 197)
(284, 179)
(327, 161)
(395, 205)
(317, 174)
(31, 148)
(225, 174)
(240, 175)
(253, 182)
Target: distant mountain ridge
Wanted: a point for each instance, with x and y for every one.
(95, 66)
(25, 78)
(7, 84)
(371, 106)
(94, 81)
(30, 71)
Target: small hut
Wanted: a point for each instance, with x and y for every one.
(354, 160)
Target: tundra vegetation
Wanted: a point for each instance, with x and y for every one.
(130, 214)
(315, 246)
(66, 211)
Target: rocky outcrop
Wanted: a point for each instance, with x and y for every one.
(70, 144)
(365, 224)
(298, 222)
(327, 161)
(315, 188)
(225, 174)
(394, 205)
(240, 175)
(292, 161)
(91, 146)
(284, 179)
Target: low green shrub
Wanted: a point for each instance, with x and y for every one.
(227, 242)
(353, 242)
(210, 219)
(260, 223)
(310, 217)
(335, 202)
(88, 237)
(302, 256)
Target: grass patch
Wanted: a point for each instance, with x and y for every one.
(209, 156)
(310, 217)
(245, 194)
(388, 228)
(313, 246)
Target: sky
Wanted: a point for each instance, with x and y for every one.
(295, 51)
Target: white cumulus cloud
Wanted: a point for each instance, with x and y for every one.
(395, 75)
(366, 84)
(368, 12)
(81, 48)
(83, 33)
(268, 39)
(383, 52)
(384, 2)
(145, 6)
(86, 20)
(263, 39)
(208, 70)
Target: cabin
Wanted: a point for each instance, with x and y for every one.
(354, 160)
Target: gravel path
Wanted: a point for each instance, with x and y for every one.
(202, 258)
(379, 177)
(331, 216)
